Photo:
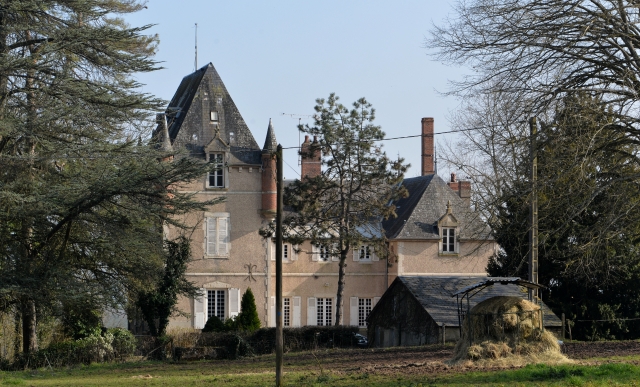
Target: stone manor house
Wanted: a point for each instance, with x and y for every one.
(435, 234)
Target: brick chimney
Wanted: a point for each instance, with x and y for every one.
(310, 159)
(464, 191)
(462, 188)
(428, 167)
(453, 184)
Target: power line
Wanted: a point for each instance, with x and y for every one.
(417, 135)
(292, 168)
(246, 149)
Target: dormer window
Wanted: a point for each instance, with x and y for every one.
(216, 175)
(448, 240)
(214, 116)
(448, 229)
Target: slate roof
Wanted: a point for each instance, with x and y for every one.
(188, 118)
(270, 143)
(418, 214)
(435, 296)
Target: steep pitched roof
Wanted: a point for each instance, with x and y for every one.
(435, 296)
(190, 125)
(270, 143)
(418, 214)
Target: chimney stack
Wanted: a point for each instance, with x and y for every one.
(310, 159)
(462, 188)
(428, 167)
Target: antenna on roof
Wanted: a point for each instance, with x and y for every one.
(196, 61)
(435, 159)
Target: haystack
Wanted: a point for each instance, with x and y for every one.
(506, 330)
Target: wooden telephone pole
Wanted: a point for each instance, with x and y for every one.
(533, 212)
(279, 338)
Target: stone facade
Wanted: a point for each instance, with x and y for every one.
(230, 256)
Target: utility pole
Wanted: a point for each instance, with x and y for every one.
(533, 211)
(279, 338)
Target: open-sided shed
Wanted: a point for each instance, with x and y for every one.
(420, 310)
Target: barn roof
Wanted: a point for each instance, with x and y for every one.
(435, 296)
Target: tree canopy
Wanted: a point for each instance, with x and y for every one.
(574, 65)
(343, 206)
(83, 196)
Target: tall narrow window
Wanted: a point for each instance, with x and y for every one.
(324, 311)
(216, 175)
(214, 116)
(365, 253)
(324, 253)
(448, 240)
(285, 251)
(364, 308)
(217, 235)
(215, 304)
(286, 312)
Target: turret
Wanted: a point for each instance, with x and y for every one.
(162, 140)
(269, 198)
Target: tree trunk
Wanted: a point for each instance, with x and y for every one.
(17, 343)
(29, 336)
(341, 275)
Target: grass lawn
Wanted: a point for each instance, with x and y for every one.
(259, 372)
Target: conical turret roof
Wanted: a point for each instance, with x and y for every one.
(270, 143)
(202, 115)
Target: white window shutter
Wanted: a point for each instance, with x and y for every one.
(211, 236)
(315, 252)
(296, 311)
(334, 257)
(199, 310)
(273, 251)
(294, 253)
(353, 307)
(374, 256)
(312, 317)
(223, 236)
(356, 253)
(234, 302)
(272, 312)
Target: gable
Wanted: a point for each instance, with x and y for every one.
(420, 212)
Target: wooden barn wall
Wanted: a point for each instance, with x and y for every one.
(401, 321)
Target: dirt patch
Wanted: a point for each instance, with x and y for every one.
(586, 350)
(425, 360)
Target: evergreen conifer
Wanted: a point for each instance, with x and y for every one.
(248, 319)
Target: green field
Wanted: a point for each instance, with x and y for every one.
(301, 371)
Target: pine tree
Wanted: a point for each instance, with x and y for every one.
(158, 304)
(81, 204)
(343, 206)
(248, 319)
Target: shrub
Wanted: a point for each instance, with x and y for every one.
(248, 319)
(114, 343)
(214, 324)
(124, 342)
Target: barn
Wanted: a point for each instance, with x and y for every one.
(419, 310)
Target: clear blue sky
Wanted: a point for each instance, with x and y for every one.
(279, 56)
